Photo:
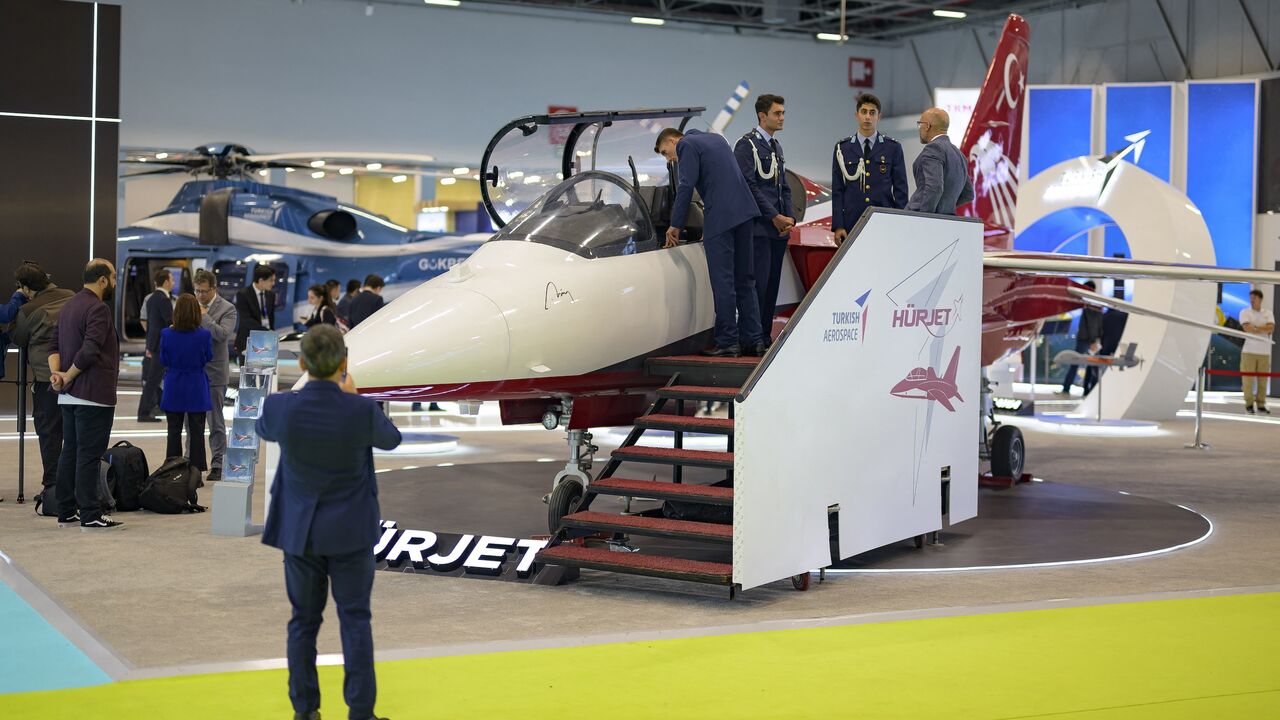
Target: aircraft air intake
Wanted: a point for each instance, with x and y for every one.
(333, 224)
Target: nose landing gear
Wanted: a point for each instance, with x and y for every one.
(570, 483)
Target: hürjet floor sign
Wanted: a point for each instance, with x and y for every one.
(457, 555)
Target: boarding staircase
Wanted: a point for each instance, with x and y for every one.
(579, 543)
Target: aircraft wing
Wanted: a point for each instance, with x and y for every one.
(1034, 263)
(1093, 298)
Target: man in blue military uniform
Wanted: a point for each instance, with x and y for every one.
(867, 170)
(705, 162)
(760, 157)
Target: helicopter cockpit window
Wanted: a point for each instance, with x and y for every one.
(593, 214)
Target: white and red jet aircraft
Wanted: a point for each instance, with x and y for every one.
(555, 315)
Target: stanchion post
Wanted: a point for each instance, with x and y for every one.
(1198, 444)
(22, 424)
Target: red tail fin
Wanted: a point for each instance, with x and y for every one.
(993, 141)
(950, 374)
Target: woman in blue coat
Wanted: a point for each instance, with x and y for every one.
(185, 348)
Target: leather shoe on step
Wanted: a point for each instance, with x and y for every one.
(731, 351)
(757, 350)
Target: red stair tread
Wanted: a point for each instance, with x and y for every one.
(650, 486)
(657, 563)
(641, 522)
(718, 423)
(709, 391)
(706, 360)
(636, 452)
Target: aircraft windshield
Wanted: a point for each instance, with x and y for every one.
(531, 155)
(594, 214)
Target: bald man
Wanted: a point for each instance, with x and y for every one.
(941, 173)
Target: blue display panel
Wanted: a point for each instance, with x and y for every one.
(1132, 109)
(1059, 126)
(1221, 133)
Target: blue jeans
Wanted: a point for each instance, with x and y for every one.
(731, 266)
(86, 430)
(306, 578)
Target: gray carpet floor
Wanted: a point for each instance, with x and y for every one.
(166, 592)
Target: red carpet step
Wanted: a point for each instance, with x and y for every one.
(686, 423)
(655, 527)
(638, 564)
(672, 456)
(699, 392)
(708, 494)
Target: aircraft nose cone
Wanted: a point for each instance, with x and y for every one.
(427, 338)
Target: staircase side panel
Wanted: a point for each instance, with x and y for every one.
(844, 412)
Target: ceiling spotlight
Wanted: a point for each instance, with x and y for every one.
(346, 171)
(161, 156)
(443, 3)
(399, 178)
(373, 166)
(368, 10)
(831, 37)
(263, 173)
(288, 169)
(953, 14)
(448, 181)
(317, 174)
(142, 159)
(461, 171)
(648, 21)
(317, 163)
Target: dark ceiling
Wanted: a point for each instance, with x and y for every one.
(865, 20)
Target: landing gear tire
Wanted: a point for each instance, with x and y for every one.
(1008, 452)
(800, 582)
(564, 500)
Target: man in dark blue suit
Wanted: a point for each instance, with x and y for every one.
(324, 515)
(157, 314)
(706, 163)
(760, 158)
(867, 170)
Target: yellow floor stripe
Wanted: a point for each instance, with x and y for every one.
(1214, 657)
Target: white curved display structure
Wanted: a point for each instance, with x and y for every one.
(1160, 224)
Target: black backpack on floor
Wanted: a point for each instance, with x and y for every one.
(128, 474)
(171, 489)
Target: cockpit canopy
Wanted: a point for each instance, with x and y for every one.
(594, 214)
(531, 155)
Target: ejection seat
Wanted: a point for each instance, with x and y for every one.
(657, 198)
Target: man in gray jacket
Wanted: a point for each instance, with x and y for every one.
(941, 173)
(218, 317)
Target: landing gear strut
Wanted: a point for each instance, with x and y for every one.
(570, 483)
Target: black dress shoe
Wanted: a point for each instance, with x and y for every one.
(214, 475)
(313, 715)
(731, 351)
(150, 418)
(757, 350)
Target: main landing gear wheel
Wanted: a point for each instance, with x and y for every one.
(564, 500)
(1008, 452)
(800, 582)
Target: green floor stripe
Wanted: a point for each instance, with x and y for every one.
(1214, 657)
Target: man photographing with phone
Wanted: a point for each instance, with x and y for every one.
(324, 515)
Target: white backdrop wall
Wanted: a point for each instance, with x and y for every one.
(1113, 41)
(280, 76)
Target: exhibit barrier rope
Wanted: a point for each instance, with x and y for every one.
(1199, 444)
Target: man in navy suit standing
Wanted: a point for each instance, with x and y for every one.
(324, 515)
(760, 158)
(705, 162)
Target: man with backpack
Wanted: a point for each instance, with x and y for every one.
(36, 322)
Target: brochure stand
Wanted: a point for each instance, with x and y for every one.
(233, 497)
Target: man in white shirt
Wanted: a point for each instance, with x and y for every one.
(1255, 356)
